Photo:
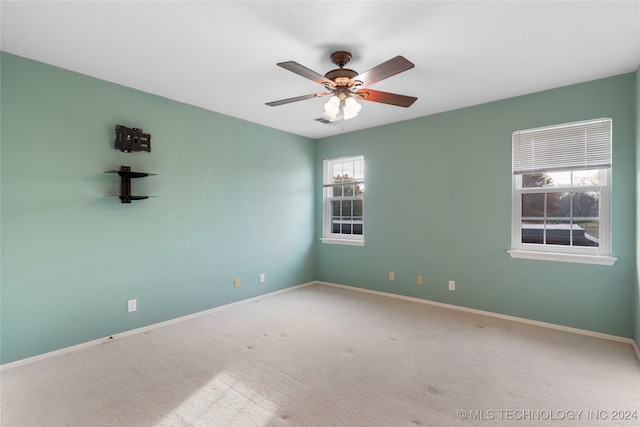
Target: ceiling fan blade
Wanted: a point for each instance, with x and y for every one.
(296, 99)
(305, 72)
(386, 69)
(385, 97)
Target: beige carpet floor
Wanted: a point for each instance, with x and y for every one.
(325, 356)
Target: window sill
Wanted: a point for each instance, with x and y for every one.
(551, 256)
(347, 242)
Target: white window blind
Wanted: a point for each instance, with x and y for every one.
(573, 146)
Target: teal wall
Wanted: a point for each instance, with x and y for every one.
(234, 200)
(438, 204)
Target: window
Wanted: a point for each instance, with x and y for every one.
(343, 187)
(562, 193)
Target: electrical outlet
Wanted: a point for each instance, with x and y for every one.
(419, 280)
(262, 278)
(452, 285)
(392, 276)
(132, 305)
(236, 282)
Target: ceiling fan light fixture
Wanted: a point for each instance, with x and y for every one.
(332, 107)
(351, 108)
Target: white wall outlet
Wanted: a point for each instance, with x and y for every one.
(262, 278)
(419, 280)
(132, 305)
(236, 282)
(392, 276)
(452, 285)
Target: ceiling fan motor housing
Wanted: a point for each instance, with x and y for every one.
(341, 76)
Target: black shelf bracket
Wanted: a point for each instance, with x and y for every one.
(126, 174)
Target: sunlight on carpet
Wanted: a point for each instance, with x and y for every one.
(223, 401)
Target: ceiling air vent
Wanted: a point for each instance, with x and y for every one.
(325, 121)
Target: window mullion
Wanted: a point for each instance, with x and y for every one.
(544, 228)
(571, 220)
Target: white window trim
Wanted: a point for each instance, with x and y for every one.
(562, 257)
(347, 242)
(585, 255)
(336, 238)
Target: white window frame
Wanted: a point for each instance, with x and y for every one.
(328, 235)
(578, 254)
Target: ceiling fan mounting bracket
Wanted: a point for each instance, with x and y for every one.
(341, 58)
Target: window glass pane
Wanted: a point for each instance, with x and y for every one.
(347, 190)
(335, 225)
(357, 225)
(347, 170)
(585, 233)
(558, 179)
(336, 172)
(557, 233)
(586, 204)
(335, 208)
(346, 228)
(533, 205)
(533, 180)
(558, 204)
(589, 177)
(357, 209)
(346, 211)
(533, 231)
(358, 172)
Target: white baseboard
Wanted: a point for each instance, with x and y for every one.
(143, 329)
(636, 349)
(492, 314)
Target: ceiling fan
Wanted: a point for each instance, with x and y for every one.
(345, 85)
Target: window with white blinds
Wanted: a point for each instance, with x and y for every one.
(562, 192)
(344, 189)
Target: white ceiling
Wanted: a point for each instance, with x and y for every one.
(222, 56)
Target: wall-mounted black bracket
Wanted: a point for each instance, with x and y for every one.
(132, 139)
(126, 174)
